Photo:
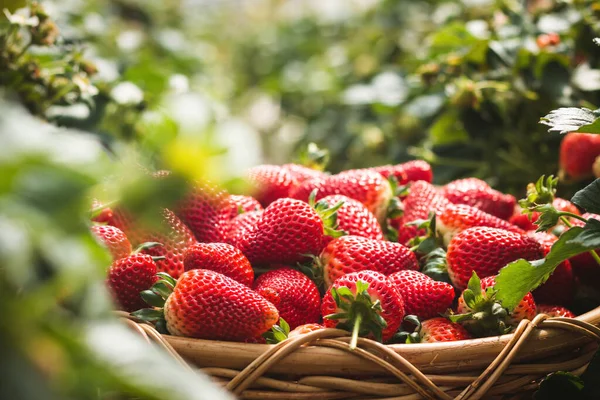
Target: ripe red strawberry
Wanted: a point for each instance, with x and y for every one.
(368, 187)
(219, 257)
(294, 295)
(302, 173)
(577, 154)
(437, 329)
(422, 199)
(113, 239)
(128, 276)
(354, 218)
(442, 330)
(584, 265)
(113, 216)
(174, 238)
(554, 311)
(209, 305)
(477, 193)
(481, 315)
(241, 226)
(527, 223)
(349, 254)
(560, 286)
(423, 296)
(485, 250)
(304, 329)
(101, 213)
(271, 182)
(455, 218)
(364, 303)
(201, 210)
(411, 171)
(288, 230)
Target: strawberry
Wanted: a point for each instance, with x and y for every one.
(456, 218)
(368, 187)
(481, 315)
(115, 216)
(349, 254)
(304, 329)
(240, 227)
(560, 286)
(527, 223)
(365, 303)
(128, 276)
(288, 230)
(485, 250)
(584, 265)
(242, 204)
(219, 257)
(422, 199)
(554, 311)
(477, 193)
(101, 213)
(113, 239)
(302, 173)
(205, 304)
(354, 218)
(271, 182)
(296, 297)
(577, 154)
(174, 238)
(433, 330)
(201, 210)
(411, 171)
(423, 296)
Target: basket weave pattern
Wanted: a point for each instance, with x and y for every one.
(320, 364)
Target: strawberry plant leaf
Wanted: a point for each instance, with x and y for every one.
(588, 198)
(521, 277)
(560, 385)
(572, 119)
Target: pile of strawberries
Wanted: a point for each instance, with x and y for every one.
(380, 252)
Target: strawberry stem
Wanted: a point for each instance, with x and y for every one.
(355, 331)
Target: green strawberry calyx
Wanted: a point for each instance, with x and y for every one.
(486, 316)
(156, 297)
(314, 157)
(404, 336)
(315, 270)
(328, 215)
(278, 332)
(358, 313)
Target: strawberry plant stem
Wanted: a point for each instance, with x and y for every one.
(355, 331)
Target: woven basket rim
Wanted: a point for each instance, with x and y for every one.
(458, 356)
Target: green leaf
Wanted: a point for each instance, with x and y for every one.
(284, 325)
(588, 198)
(571, 119)
(152, 298)
(148, 314)
(167, 277)
(162, 289)
(521, 277)
(560, 385)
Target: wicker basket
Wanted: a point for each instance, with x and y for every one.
(320, 365)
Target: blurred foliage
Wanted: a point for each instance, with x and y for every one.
(458, 83)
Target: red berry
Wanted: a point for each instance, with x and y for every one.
(113, 239)
(296, 297)
(477, 193)
(209, 305)
(423, 296)
(554, 311)
(577, 154)
(354, 253)
(129, 276)
(219, 257)
(442, 330)
(486, 250)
